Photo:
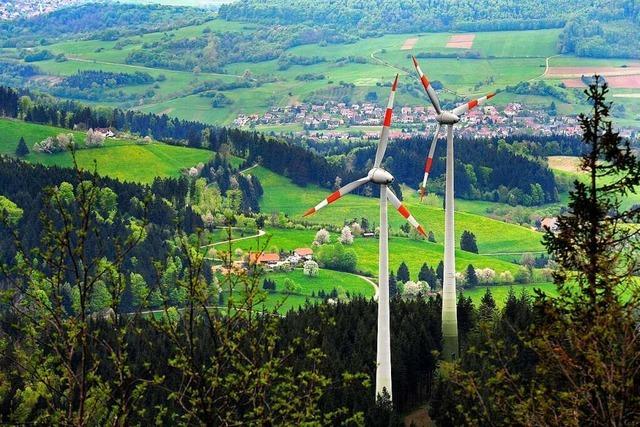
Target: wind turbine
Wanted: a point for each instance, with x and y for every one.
(447, 118)
(377, 175)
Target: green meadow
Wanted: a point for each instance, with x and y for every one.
(506, 58)
(121, 159)
(327, 280)
(494, 237)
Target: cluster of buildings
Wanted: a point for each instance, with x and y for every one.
(269, 261)
(274, 260)
(13, 9)
(335, 120)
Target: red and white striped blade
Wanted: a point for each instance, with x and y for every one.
(386, 124)
(404, 212)
(337, 194)
(461, 109)
(433, 97)
(429, 163)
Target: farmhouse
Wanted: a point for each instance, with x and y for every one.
(264, 258)
(304, 253)
(105, 132)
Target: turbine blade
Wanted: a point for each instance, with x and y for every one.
(384, 136)
(467, 106)
(337, 194)
(429, 163)
(433, 97)
(404, 212)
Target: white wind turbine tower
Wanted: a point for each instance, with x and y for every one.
(381, 177)
(447, 118)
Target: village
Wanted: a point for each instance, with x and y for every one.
(27, 8)
(337, 120)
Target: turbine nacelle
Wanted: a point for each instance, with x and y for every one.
(447, 118)
(380, 176)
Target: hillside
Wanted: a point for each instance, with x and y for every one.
(493, 236)
(219, 70)
(122, 158)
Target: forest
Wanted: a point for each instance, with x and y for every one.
(613, 35)
(92, 20)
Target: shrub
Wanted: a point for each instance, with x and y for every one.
(311, 269)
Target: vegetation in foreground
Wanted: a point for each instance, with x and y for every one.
(569, 359)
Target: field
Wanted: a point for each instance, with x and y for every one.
(494, 237)
(326, 281)
(568, 166)
(504, 58)
(121, 159)
(501, 292)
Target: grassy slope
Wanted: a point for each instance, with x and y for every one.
(327, 280)
(568, 165)
(118, 158)
(512, 56)
(493, 236)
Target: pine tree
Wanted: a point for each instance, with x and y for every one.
(468, 242)
(440, 271)
(471, 276)
(487, 306)
(423, 275)
(22, 149)
(403, 273)
(393, 285)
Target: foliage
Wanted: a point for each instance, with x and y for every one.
(9, 211)
(55, 144)
(322, 237)
(364, 17)
(336, 257)
(569, 359)
(22, 149)
(468, 242)
(403, 273)
(90, 20)
(346, 238)
(311, 268)
(471, 278)
(94, 139)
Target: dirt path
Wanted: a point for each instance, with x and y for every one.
(546, 68)
(371, 282)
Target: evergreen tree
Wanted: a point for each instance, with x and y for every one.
(487, 307)
(403, 273)
(440, 272)
(423, 275)
(22, 149)
(468, 242)
(393, 285)
(471, 276)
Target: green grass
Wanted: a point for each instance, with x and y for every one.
(120, 159)
(509, 57)
(326, 281)
(630, 200)
(493, 236)
(413, 252)
(501, 292)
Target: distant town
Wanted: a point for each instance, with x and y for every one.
(14, 9)
(337, 120)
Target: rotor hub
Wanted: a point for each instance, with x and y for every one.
(380, 176)
(447, 118)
